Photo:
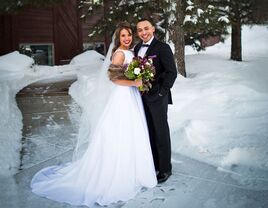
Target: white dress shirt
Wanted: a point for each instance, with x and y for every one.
(143, 49)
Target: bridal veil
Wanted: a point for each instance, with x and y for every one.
(95, 100)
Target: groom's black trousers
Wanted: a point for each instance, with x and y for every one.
(156, 116)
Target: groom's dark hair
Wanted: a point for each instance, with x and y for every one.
(147, 19)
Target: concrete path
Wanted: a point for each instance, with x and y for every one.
(50, 121)
(50, 126)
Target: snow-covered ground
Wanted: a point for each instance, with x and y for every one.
(219, 116)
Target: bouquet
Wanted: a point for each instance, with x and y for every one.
(141, 69)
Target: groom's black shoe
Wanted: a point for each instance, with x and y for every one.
(162, 177)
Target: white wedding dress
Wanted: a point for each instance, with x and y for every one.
(118, 162)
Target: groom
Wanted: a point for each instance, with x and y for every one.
(157, 99)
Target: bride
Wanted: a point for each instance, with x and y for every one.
(118, 161)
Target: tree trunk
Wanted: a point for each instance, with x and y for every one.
(236, 46)
(177, 37)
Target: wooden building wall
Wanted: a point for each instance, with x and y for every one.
(59, 25)
(6, 34)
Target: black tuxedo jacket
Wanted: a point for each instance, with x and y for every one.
(165, 67)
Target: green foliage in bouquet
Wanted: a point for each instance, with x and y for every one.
(129, 73)
(141, 69)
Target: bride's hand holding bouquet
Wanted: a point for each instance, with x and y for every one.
(138, 83)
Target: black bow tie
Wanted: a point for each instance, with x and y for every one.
(145, 45)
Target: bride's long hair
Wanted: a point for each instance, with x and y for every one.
(119, 28)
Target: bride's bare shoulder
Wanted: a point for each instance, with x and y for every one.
(118, 57)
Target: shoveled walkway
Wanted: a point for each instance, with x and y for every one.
(50, 127)
(50, 120)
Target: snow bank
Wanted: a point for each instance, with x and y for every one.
(220, 113)
(15, 62)
(88, 57)
(248, 156)
(12, 68)
(10, 130)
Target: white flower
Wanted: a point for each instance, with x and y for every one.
(137, 71)
(150, 61)
(148, 64)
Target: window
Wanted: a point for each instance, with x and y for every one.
(43, 54)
